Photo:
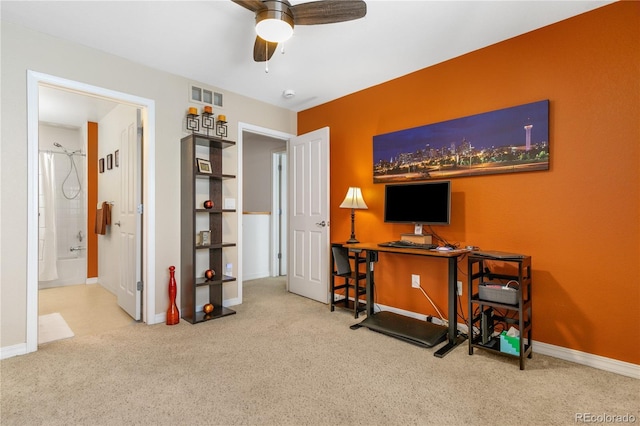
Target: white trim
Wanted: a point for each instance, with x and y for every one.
(160, 318)
(572, 355)
(277, 215)
(32, 211)
(274, 223)
(11, 351)
(34, 80)
(590, 360)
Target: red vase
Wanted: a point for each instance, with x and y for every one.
(173, 315)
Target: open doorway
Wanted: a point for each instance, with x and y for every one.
(146, 265)
(80, 266)
(263, 202)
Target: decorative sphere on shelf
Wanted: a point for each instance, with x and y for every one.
(208, 308)
(209, 274)
(208, 204)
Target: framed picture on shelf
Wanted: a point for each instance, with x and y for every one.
(109, 161)
(204, 166)
(117, 157)
(101, 165)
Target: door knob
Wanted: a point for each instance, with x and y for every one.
(116, 223)
(322, 224)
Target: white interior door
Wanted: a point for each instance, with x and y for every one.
(308, 246)
(129, 296)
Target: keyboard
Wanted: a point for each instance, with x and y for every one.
(407, 244)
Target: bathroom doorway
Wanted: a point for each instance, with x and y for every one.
(93, 95)
(75, 129)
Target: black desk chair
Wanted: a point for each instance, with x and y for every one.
(352, 279)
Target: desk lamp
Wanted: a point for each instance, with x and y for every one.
(353, 200)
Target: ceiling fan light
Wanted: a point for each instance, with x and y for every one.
(274, 24)
(274, 30)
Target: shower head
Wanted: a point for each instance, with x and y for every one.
(57, 145)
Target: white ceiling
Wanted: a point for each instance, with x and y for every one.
(212, 41)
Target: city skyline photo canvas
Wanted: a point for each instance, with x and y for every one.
(508, 140)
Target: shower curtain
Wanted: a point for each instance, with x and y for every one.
(47, 251)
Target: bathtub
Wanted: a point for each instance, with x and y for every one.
(70, 272)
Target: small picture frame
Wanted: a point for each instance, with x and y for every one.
(101, 165)
(109, 161)
(204, 166)
(117, 157)
(205, 238)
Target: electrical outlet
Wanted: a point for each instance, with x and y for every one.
(459, 288)
(415, 280)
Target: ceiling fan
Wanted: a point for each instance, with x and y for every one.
(275, 19)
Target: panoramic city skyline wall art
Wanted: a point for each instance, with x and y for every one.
(509, 140)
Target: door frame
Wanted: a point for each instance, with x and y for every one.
(250, 128)
(34, 80)
(279, 216)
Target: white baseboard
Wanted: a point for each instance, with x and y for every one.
(583, 358)
(590, 360)
(160, 318)
(231, 302)
(11, 351)
(255, 275)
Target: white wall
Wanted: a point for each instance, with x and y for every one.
(257, 153)
(23, 50)
(70, 214)
(256, 245)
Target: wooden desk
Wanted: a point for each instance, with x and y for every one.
(385, 322)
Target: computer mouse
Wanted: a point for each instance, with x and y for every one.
(443, 248)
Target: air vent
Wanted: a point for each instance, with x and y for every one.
(205, 96)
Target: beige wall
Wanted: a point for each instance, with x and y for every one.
(23, 50)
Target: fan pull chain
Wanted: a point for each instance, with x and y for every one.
(266, 55)
(282, 50)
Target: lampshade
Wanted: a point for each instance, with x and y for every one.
(353, 199)
(275, 23)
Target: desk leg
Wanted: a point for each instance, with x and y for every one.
(453, 339)
(370, 258)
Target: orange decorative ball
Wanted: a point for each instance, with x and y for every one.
(209, 274)
(208, 308)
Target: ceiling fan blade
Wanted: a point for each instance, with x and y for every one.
(260, 53)
(252, 5)
(328, 11)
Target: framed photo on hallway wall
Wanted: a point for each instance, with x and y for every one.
(109, 161)
(101, 165)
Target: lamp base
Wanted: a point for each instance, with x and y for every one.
(352, 241)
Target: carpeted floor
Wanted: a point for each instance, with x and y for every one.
(286, 360)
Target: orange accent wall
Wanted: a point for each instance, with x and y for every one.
(579, 221)
(92, 199)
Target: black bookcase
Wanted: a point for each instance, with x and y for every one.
(197, 185)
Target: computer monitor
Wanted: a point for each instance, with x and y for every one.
(425, 203)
